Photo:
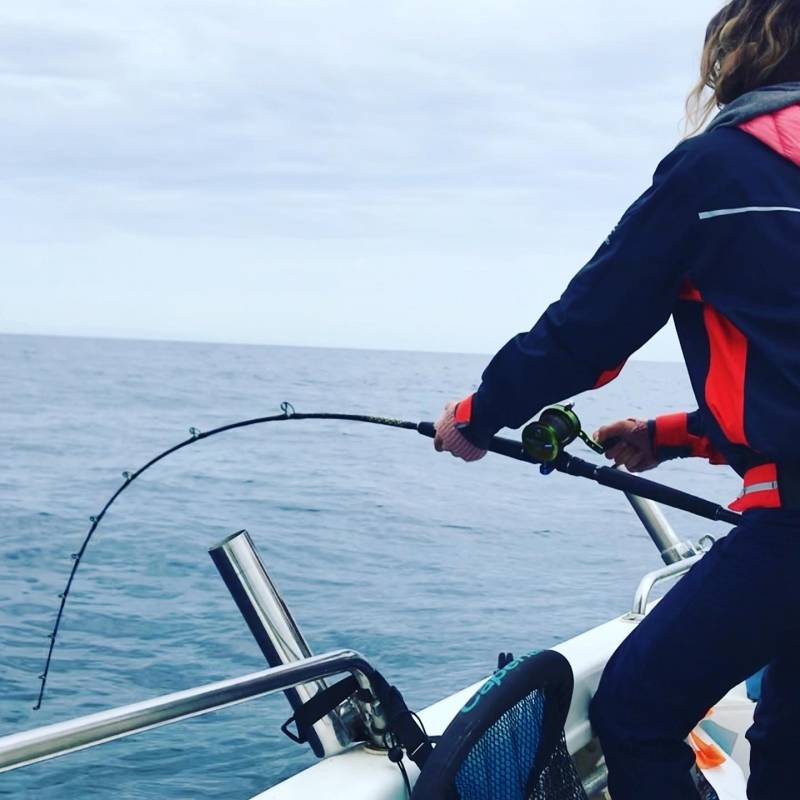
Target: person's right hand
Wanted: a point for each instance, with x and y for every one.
(634, 448)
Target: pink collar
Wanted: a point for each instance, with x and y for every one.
(779, 130)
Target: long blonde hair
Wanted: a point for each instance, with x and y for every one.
(749, 44)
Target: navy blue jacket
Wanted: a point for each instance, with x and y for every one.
(714, 243)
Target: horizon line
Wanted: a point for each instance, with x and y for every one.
(223, 343)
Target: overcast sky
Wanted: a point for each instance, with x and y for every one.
(414, 175)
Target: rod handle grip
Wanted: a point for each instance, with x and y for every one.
(499, 445)
(427, 429)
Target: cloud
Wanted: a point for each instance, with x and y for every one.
(458, 134)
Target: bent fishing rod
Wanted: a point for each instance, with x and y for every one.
(543, 444)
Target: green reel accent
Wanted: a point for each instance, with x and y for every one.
(556, 428)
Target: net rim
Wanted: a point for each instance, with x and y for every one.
(547, 672)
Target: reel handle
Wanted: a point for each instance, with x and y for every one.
(612, 442)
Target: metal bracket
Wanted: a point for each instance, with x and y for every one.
(649, 581)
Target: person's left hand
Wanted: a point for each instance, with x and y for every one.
(450, 439)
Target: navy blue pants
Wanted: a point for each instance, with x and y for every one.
(735, 611)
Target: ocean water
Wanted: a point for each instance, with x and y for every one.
(426, 565)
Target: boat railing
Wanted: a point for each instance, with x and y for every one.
(51, 741)
(293, 670)
(652, 579)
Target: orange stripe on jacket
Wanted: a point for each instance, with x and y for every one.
(689, 291)
(759, 498)
(671, 431)
(726, 374)
(463, 412)
(725, 381)
(608, 376)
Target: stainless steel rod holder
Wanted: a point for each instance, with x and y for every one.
(277, 634)
(40, 744)
(670, 546)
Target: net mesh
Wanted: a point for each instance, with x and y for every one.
(499, 766)
(559, 780)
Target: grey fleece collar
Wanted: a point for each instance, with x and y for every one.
(755, 103)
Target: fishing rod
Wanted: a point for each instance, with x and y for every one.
(543, 444)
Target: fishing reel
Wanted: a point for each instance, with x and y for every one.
(556, 428)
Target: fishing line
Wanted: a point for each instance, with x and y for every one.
(288, 413)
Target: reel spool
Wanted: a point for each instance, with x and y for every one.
(556, 428)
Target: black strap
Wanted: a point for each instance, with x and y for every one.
(313, 710)
(404, 726)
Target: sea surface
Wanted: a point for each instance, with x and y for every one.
(428, 566)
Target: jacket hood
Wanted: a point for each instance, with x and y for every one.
(757, 103)
(771, 114)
